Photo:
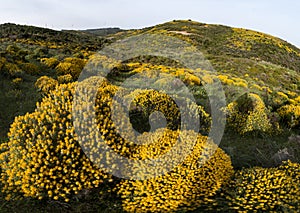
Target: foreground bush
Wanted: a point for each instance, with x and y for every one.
(45, 157)
(266, 189)
(42, 157)
(188, 186)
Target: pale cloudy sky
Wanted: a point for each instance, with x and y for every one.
(276, 17)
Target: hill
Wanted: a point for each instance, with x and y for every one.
(104, 31)
(259, 73)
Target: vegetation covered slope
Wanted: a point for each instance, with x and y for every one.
(22, 51)
(260, 75)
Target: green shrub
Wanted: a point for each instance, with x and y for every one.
(13, 70)
(30, 68)
(16, 82)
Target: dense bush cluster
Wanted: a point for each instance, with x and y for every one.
(266, 189)
(43, 157)
(248, 114)
(45, 84)
(72, 66)
(50, 62)
(290, 114)
(189, 185)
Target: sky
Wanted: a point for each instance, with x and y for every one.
(275, 17)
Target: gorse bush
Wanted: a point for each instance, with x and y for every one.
(30, 68)
(115, 126)
(13, 70)
(64, 79)
(44, 158)
(72, 66)
(45, 84)
(266, 189)
(290, 115)
(50, 62)
(149, 101)
(247, 114)
(189, 185)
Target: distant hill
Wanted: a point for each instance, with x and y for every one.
(104, 31)
(219, 40)
(13, 32)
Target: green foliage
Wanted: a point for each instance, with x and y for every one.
(38, 35)
(30, 68)
(16, 82)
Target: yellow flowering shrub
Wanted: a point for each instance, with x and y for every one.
(12, 69)
(290, 115)
(45, 84)
(144, 102)
(297, 99)
(149, 101)
(64, 79)
(72, 66)
(186, 187)
(248, 114)
(245, 39)
(42, 157)
(16, 82)
(2, 62)
(50, 62)
(266, 189)
(233, 81)
(30, 68)
(192, 79)
(188, 76)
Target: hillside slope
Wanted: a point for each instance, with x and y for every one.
(44, 164)
(245, 61)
